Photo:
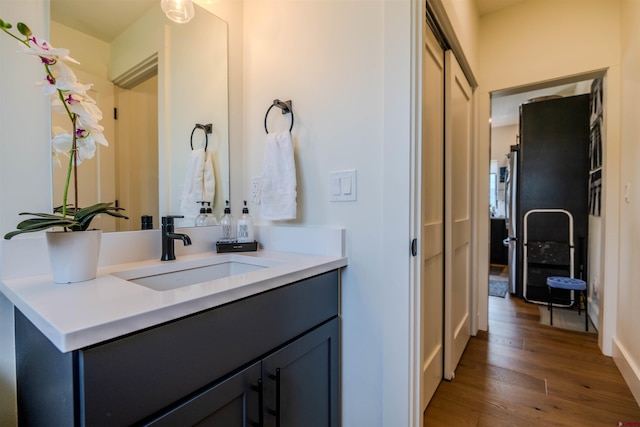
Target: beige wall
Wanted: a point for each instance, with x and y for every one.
(539, 40)
(463, 16)
(627, 353)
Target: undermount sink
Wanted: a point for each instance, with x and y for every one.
(178, 274)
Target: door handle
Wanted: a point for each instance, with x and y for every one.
(276, 413)
(260, 389)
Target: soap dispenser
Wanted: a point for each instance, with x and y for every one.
(228, 224)
(245, 226)
(201, 219)
(211, 218)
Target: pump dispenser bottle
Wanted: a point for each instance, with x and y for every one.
(245, 226)
(201, 219)
(228, 224)
(211, 218)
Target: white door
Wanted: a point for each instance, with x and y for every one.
(458, 175)
(432, 221)
(137, 149)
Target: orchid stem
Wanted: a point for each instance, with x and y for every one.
(72, 164)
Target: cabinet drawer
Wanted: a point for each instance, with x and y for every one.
(130, 378)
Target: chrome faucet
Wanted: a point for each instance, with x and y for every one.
(168, 237)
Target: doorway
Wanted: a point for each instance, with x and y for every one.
(504, 136)
(137, 151)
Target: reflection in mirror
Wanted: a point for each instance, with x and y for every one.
(158, 81)
(493, 188)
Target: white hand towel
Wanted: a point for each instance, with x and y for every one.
(199, 183)
(209, 179)
(277, 195)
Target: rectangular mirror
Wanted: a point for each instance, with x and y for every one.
(154, 80)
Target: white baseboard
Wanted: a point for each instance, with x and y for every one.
(628, 368)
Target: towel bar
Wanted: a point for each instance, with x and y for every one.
(286, 109)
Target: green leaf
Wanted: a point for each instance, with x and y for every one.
(117, 215)
(39, 224)
(76, 219)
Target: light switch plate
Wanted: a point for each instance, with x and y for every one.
(255, 187)
(342, 186)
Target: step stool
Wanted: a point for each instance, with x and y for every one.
(569, 283)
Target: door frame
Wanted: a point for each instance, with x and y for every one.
(437, 13)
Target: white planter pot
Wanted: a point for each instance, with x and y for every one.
(74, 255)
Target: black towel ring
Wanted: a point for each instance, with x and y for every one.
(286, 109)
(208, 128)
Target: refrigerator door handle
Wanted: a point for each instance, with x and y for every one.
(508, 240)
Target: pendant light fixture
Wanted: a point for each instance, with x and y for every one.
(180, 11)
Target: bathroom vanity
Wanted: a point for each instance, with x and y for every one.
(253, 348)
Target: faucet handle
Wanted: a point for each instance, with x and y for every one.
(168, 220)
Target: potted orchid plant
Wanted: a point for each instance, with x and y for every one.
(70, 97)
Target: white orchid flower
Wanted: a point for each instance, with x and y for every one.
(46, 52)
(69, 97)
(83, 106)
(90, 125)
(62, 78)
(62, 143)
(66, 80)
(99, 138)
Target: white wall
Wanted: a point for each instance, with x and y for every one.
(188, 102)
(627, 345)
(542, 40)
(502, 138)
(25, 162)
(90, 52)
(232, 11)
(328, 58)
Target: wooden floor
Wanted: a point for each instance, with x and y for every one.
(521, 373)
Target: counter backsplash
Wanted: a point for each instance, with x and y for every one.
(27, 255)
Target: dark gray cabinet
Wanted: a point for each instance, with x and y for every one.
(269, 359)
(300, 381)
(233, 402)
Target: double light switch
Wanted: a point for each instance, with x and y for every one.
(342, 186)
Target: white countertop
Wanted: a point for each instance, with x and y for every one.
(78, 315)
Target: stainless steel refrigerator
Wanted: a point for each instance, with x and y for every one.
(511, 192)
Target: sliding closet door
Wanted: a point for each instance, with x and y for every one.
(458, 175)
(432, 220)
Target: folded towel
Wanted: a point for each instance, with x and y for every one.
(199, 183)
(277, 195)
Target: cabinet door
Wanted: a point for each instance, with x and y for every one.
(234, 402)
(301, 381)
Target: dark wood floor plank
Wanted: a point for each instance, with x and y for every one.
(523, 373)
